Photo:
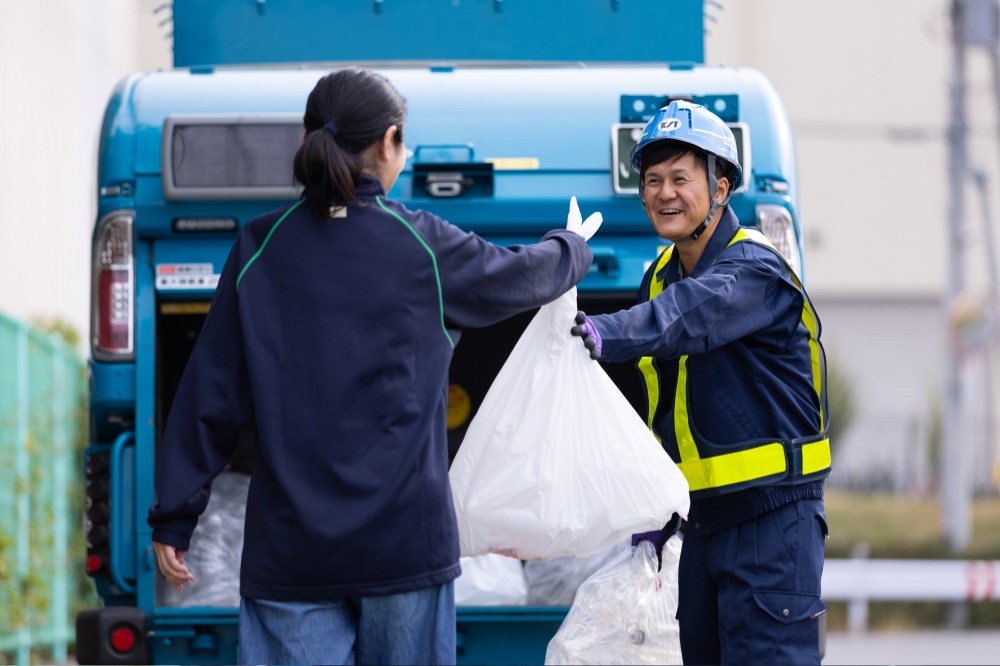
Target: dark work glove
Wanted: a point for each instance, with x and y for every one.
(586, 330)
(658, 537)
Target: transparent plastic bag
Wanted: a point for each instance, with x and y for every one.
(625, 613)
(555, 582)
(216, 549)
(491, 580)
(556, 461)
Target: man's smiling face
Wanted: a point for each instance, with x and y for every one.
(675, 195)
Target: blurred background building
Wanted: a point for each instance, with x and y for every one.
(866, 86)
(867, 90)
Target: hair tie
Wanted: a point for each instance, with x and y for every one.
(331, 128)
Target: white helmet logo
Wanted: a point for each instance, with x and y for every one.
(670, 124)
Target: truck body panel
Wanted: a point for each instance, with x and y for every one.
(295, 31)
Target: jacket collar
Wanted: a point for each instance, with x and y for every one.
(369, 187)
(727, 226)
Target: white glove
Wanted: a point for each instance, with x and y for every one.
(575, 222)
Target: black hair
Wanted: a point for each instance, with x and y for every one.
(347, 111)
(668, 151)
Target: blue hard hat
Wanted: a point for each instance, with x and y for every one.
(693, 124)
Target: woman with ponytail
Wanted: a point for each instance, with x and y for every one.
(333, 327)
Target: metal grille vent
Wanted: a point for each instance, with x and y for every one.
(225, 158)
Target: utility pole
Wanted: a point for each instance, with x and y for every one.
(975, 23)
(953, 496)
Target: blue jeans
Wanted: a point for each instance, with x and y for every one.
(751, 594)
(410, 628)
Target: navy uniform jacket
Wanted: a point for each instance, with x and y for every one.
(336, 336)
(738, 318)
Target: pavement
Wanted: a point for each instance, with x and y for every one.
(924, 647)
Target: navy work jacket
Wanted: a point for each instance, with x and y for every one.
(738, 318)
(335, 335)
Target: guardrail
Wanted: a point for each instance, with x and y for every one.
(860, 580)
(42, 383)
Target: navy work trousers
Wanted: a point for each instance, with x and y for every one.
(751, 594)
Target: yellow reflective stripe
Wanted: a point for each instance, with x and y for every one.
(815, 353)
(652, 381)
(656, 286)
(730, 468)
(817, 370)
(809, 319)
(740, 466)
(722, 470)
(743, 233)
(816, 456)
(760, 461)
(686, 446)
(646, 365)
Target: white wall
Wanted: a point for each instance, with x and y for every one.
(59, 60)
(865, 86)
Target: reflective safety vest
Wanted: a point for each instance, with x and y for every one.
(715, 470)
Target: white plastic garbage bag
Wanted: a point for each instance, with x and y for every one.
(625, 613)
(491, 580)
(556, 461)
(216, 549)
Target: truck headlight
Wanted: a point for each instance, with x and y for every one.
(776, 223)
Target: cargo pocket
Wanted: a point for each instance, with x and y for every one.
(789, 607)
(824, 528)
(787, 628)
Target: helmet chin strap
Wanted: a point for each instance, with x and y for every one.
(713, 186)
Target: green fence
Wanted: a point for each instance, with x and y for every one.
(42, 433)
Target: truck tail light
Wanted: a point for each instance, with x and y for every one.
(113, 635)
(96, 517)
(94, 564)
(124, 638)
(776, 223)
(113, 289)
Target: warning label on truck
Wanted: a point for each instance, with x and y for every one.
(185, 277)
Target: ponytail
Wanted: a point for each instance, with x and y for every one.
(347, 111)
(328, 173)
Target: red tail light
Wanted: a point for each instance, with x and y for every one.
(114, 332)
(113, 287)
(123, 639)
(94, 564)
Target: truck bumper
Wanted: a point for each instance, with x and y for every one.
(114, 635)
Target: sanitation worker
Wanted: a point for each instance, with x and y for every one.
(333, 327)
(727, 342)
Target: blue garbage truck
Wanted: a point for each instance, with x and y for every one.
(514, 107)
